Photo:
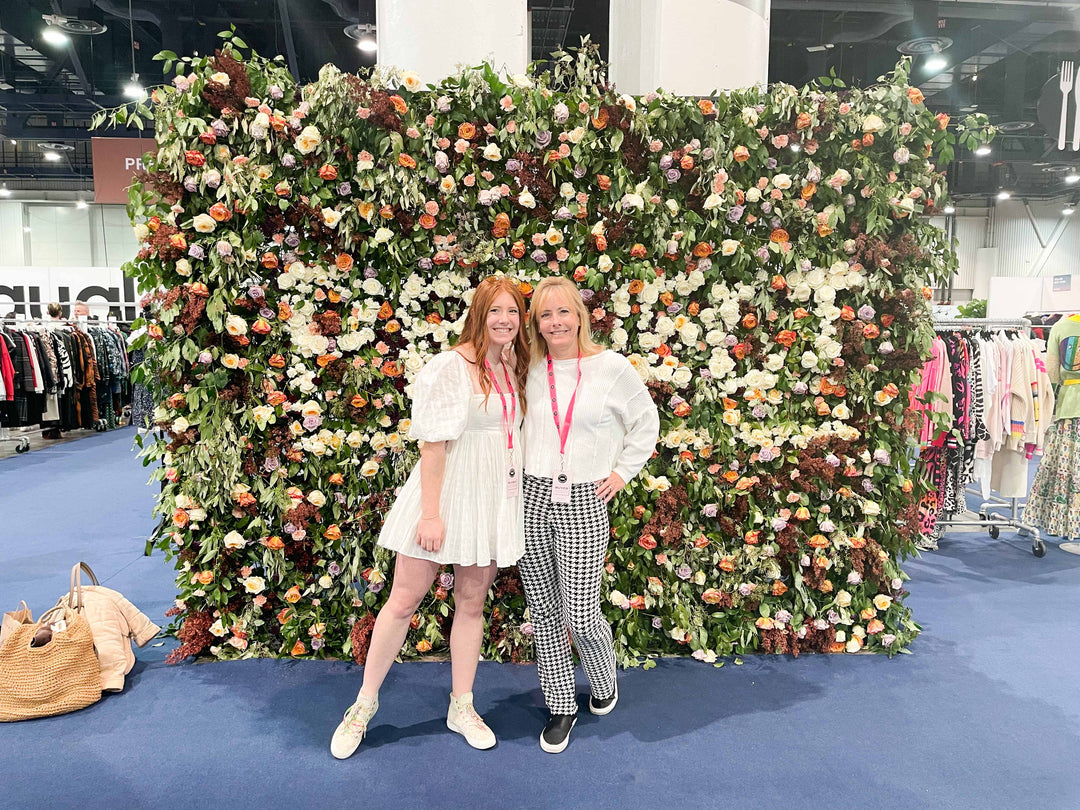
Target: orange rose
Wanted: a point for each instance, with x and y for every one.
(779, 588)
(836, 647)
(180, 518)
(942, 120)
(857, 542)
(601, 242)
(824, 230)
(155, 331)
(800, 313)
(284, 311)
(683, 409)
(276, 398)
(399, 104)
(274, 543)
(803, 121)
(871, 331)
(466, 131)
(742, 154)
(328, 172)
(647, 541)
(337, 479)
(726, 564)
(269, 261)
(779, 236)
(332, 532)
(344, 262)
(752, 537)
(637, 251)
(875, 627)
(391, 369)
(220, 212)
(406, 161)
(525, 288)
(245, 499)
(518, 250)
(749, 321)
(277, 361)
(915, 95)
(502, 225)
(386, 311)
(778, 282)
(423, 646)
(637, 602)
(284, 615)
(600, 120)
(298, 649)
(427, 221)
(786, 338)
(687, 162)
(707, 107)
(178, 241)
(711, 596)
(636, 286)
(603, 181)
(292, 595)
(808, 191)
(703, 250)
(868, 139)
(206, 577)
(887, 320)
(386, 212)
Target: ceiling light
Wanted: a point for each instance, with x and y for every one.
(983, 150)
(949, 209)
(54, 36)
(1068, 210)
(81, 204)
(936, 63)
(364, 34)
(975, 77)
(14, 142)
(26, 229)
(1072, 177)
(1003, 195)
(51, 155)
(5, 191)
(133, 89)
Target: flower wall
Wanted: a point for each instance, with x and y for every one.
(759, 256)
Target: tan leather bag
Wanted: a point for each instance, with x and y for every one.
(14, 619)
(59, 677)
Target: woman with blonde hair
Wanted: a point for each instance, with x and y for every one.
(461, 505)
(592, 427)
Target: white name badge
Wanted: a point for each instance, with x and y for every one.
(560, 487)
(513, 482)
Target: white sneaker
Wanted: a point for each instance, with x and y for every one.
(463, 719)
(351, 730)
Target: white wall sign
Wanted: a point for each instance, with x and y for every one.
(27, 291)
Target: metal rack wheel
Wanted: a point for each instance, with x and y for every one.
(994, 532)
(23, 446)
(1038, 548)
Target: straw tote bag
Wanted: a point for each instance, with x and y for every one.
(59, 677)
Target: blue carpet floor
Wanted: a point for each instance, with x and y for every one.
(984, 713)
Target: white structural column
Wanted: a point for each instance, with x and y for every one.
(688, 47)
(433, 37)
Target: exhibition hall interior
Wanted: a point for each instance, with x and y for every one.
(539, 403)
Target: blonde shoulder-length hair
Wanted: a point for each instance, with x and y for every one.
(586, 344)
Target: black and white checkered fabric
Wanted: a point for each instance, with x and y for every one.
(565, 546)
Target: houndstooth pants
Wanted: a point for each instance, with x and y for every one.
(565, 546)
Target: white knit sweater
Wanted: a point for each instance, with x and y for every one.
(615, 425)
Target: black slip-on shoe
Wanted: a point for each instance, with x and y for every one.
(556, 734)
(606, 705)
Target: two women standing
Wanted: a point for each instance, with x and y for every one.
(590, 428)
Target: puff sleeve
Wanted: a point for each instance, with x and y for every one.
(442, 393)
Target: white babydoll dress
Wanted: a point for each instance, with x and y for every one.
(482, 524)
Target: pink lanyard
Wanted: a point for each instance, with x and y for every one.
(508, 419)
(563, 428)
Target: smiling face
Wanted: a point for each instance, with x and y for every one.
(558, 324)
(503, 320)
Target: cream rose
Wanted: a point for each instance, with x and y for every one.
(204, 223)
(308, 139)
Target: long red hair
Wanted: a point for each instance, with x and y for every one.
(475, 333)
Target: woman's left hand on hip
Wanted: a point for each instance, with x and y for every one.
(609, 487)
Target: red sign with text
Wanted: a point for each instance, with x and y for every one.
(115, 162)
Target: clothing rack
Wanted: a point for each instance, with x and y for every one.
(989, 515)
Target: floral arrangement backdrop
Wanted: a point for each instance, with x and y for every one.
(761, 257)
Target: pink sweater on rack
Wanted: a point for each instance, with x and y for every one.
(936, 377)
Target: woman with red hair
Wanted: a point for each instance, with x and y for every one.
(461, 505)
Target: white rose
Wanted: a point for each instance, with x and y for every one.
(753, 194)
(411, 80)
(619, 336)
(369, 468)
(749, 116)
(782, 182)
(576, 134)
(491, 152)
(220, 78)
(809, 360)
(235, 325)
(204, 223)
(234, 540)
(325, 581)
(843, 599)
(721, 366)
(308, 139)
(180, 425)
(873, 123)
(254, 585)
(526, 199)
(383, 235)
(218, 629)
(713, 201)
(372, 286)
(522, 81)
(604, 263)
(871, 509)
(142, 233)
(682, 376)
(729, 246)
(566, 191)
(331, 217)
(316, 498)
